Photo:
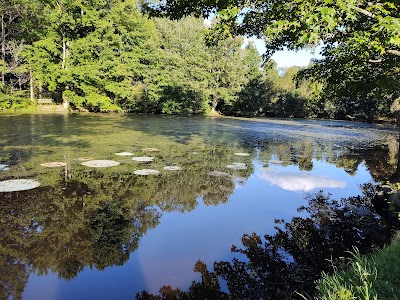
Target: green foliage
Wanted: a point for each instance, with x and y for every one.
(13, 102)
(94, 55)
(107, 56)
(369, 277)
(359, 39)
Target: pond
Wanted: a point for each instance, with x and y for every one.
(108, 232)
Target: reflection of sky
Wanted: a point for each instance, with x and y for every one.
(167, 253)
(301, 182)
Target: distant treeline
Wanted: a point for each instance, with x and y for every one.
(106, 56)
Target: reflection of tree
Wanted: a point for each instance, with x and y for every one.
(382, 160)
(56, 229)
(13, 277)
(294, 257)
(96, 218)
(217, 190)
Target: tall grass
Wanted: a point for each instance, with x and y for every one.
(376, 276)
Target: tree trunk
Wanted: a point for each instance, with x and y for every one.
(396, 175)
(3, 46)
(64, 54)
(31, 85)
(214, 105)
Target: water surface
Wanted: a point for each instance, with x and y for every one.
(106, 233)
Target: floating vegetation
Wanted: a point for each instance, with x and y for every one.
(145, 172)
(219, 174)
(54, 164)
(194, 153)
(124, 154)
(4, 167)
(242, 154)
(237, 166)
(15, 185)
(143, 158)
(100, 163)
(266, 169)
(150, 149)
(172, 168)
(276, 162)
(226, 175)
(84, 158)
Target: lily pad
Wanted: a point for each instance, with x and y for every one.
(84, 158)
(242, 154)
(145, 172)
(150, 149)
(239, 164)
(267, 169)
(276, 162)
(100, 163)
(54, 164)
(172, 168)
(124, 154)
(15, 185)
(226, 175)
(236, 166)
(219, 174)
(4, 167)
(143, 158)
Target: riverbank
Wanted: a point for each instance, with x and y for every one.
(375, 276)
(58, 108)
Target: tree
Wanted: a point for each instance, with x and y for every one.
(93, 54)
(226, 68)
(17, 18)
(360, 39)
(180, 79)
(255, 96)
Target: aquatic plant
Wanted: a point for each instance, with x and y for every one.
(124, 154)
(172, 168)
(143, 158)
(100, 163)
(54, 164)
(15, 185)
(145, 172)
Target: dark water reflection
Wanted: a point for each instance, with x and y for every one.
(108, 234)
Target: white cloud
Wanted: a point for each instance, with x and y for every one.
(300, 182)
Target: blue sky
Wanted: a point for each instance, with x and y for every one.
(286, 58)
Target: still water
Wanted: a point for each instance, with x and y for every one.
(107, 233)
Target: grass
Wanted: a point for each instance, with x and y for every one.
(376, 276)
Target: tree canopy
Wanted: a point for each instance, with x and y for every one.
(360, 43)
(105, 56)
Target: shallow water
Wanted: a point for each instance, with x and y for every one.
(106, 233)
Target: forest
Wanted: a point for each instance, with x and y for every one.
(126, 56)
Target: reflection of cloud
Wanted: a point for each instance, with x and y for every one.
(301, 182)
